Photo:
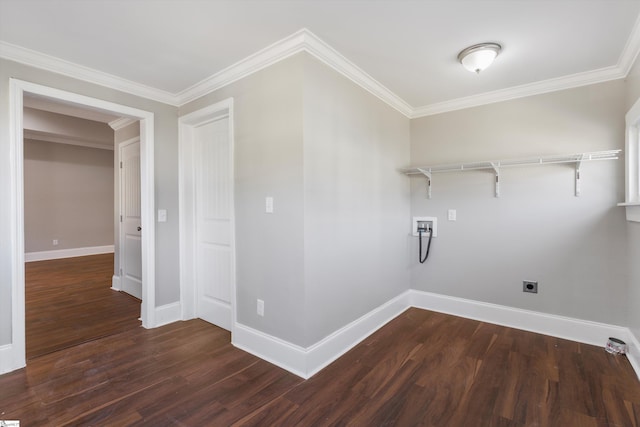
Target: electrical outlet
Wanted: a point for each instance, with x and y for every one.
(55, 242)
(260, 307)
(530, 286)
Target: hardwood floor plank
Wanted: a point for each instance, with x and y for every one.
(421, 369)
(70, 301)
(275, 413)
(126, 406)
(385, 405)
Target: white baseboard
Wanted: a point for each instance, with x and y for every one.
(9, 361)
(324, 352)
(116, 283)
(218, 313)
(281, 353)
(634, 351)
(306, 362)
(168, 313)
(6, 359)
(583, 331)
(68, 253)
(579, 330)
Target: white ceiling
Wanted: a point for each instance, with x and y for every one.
(409, 47)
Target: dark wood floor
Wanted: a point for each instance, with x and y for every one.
(69, 301)
(423, 368)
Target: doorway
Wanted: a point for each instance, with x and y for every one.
(207, 221)
(18, 89)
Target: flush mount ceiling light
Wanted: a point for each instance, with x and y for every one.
(479, 56)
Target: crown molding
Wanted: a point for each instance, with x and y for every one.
(270, 55)
(334, 59)
(531, 89)
(300, 41)
(59, 66)
(305, 41)
(121, 122)
(619, 71)
(631, 49)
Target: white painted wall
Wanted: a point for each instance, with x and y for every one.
(537, 230)
(356, 203)
(166, 187)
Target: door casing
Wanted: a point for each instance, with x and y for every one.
(187, 205)
(17, 89)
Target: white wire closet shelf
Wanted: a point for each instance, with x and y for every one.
(495, 166)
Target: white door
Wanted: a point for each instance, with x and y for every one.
(213, 237)
(130, 225)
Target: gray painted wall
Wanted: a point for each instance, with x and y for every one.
(328, 152)
(68, 196)
(633, 228)
(268, 162)
(166, 174)
(575, 247)
(537, 230)
(356, 203)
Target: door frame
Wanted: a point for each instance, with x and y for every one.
(120, 252)
(187, 225)
(17, 89)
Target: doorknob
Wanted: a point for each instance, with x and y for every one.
(139, 228)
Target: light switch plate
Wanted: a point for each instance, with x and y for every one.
(452, 215)
(268, 204)
(162, 215)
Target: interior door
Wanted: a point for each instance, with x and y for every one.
(213, 222)
(130, 225)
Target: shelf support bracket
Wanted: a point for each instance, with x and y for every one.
(496, 169)
(427, 174)
(578, 166)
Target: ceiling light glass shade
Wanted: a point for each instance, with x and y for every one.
(478, 57)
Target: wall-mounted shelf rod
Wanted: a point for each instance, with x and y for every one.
(495, 166)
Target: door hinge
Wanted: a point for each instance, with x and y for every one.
(120, 165)
(120, 218)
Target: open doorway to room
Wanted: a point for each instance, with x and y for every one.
(75, 180)
(98, 267)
